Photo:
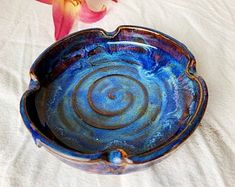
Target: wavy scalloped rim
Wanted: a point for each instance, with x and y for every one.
(89, 161)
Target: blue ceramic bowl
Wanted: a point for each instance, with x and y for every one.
(112, 102)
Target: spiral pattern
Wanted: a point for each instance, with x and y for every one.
(106, 99)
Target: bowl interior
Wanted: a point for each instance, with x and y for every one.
(128, 90)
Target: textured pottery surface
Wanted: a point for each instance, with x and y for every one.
(111, 103)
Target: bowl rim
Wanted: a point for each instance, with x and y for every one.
(150, 155)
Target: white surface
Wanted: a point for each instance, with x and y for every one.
(207, 158)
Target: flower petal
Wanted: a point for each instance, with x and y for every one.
(64, 14)
(45, 1)
(88, 16)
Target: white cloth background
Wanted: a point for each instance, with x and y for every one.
(207, 158)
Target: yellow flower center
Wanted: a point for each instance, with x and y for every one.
(76, 2)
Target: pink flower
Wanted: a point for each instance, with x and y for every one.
(66, 11)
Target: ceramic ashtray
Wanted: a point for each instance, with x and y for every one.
(113, 102)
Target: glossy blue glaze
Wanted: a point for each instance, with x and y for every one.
(118, 99)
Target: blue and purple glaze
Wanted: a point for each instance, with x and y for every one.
(112, 102)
